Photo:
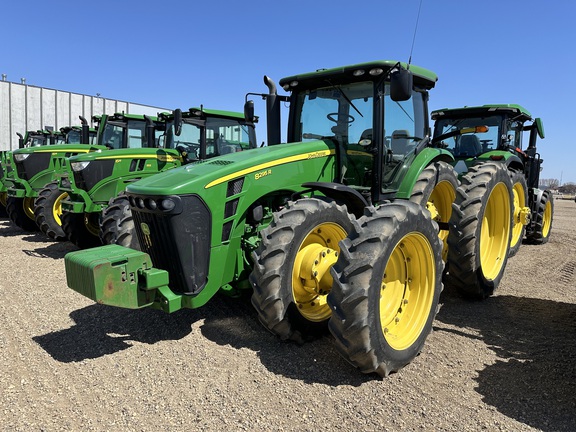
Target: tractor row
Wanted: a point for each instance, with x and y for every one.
(352, 227)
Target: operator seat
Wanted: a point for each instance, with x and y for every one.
(400, 142)
(469, 146)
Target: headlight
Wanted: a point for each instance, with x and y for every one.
(19, 157)
(79, 166)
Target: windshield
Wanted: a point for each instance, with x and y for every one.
(327, 113)
(469, 144)
(113, 134)
(35, 141)
(73, 137)
(188, 140)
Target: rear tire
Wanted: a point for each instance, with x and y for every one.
(520, 194)
(435, 189)
(117, 225)
(21, 213)
(480, 231)
(48, 210)
(387, 285)
(80, 229)
(540, 232)
(291, 276)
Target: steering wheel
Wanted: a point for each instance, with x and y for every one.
(332, 117)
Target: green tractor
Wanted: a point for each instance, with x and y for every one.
(31, 139)
(328, 231)
(486, 142)
(33, 166)
(95, 182)
(57, 215)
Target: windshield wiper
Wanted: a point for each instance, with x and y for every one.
(345, 97)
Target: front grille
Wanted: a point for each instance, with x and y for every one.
(96, 171)
(177, 239)
(32, 165)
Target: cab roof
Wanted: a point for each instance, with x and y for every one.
(466, 111)
(422, 77)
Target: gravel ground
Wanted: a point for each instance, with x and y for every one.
(508, 363)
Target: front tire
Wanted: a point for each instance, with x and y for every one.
(21, 213)
(117, 225)
(540, 232)
(291, 276)
(387, 285)
(480, 230)
(82, 229)
(3, 212)
(48, 210)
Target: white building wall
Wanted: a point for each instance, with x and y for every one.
(25, 107)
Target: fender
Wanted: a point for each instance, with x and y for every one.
(353, 199)
(421, 161)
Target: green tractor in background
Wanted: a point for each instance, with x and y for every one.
(33, 166)
(30, 139)
(481, 139)
(120, 136)
(95, 181)
(330, 230)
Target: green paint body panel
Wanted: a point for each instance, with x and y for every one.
(129, 165)
(50, 159)
(416, 164)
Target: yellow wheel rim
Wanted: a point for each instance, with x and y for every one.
(311, 279)
(547, 219)
(440, 207)
(92, 228)
(28, 205)
(3, 197)
(407, 291)
(57, 208)
(495, 232)
(519, 204)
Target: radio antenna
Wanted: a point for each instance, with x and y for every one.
(414, 37)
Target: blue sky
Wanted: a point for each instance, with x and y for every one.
(183, 54)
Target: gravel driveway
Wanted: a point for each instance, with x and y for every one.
(508, 363)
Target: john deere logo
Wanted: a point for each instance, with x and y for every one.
(146, 231)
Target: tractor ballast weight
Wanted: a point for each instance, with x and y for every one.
(294, 222)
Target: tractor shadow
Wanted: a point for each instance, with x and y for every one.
(234, 323)
(8, 229)
(103, 330)
(534, 378)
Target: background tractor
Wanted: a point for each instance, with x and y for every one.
(330, 230)
(33, 167)
(486, 142)
(95, 181)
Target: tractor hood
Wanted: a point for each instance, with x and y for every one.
(61, 148)
(126, 153)
(207, 174)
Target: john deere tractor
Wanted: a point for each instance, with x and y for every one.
(95, 181)
(119, 135)
(486, 142)
(330, 230)
(33, 165)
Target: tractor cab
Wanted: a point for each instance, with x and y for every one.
(201, 133)
(374, 114)
(490, 132)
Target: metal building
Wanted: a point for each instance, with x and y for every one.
(25, 107)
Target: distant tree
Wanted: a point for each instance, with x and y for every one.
(568, 188)
(549, 183)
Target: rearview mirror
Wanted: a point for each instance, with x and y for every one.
(539, 127)
(177, 121)
(400, 85)
(249, 110)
